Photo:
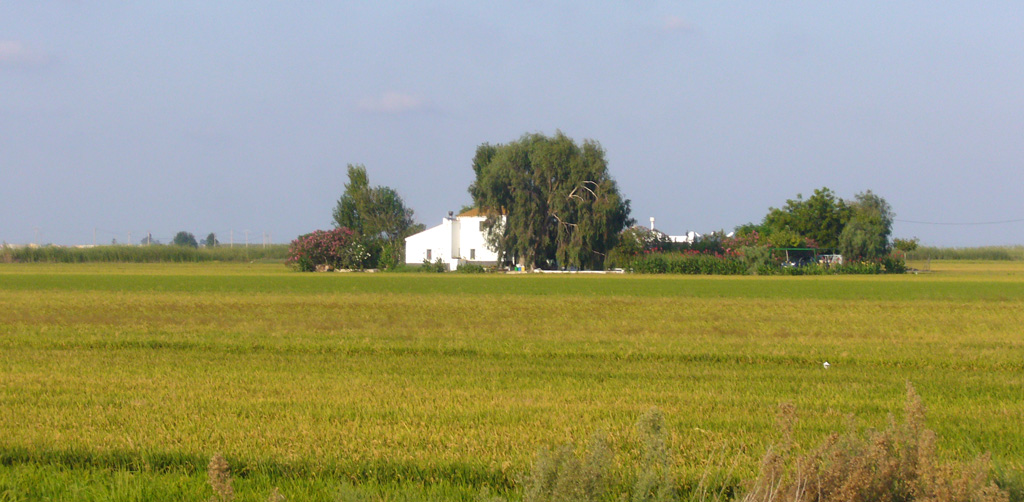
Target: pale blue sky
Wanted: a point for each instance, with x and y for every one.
(217, 116)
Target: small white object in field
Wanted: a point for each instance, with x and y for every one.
(826, 365)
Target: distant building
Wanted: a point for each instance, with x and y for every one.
(457, 239)
(689, 238)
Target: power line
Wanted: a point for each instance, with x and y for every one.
(973, 223)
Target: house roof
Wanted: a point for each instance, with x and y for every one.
(474, 212)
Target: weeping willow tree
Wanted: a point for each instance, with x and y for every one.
(549, 202)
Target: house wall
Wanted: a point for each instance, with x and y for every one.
(438, 240)
(453, 241)
(472, 244)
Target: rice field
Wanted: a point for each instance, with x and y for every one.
(120, 381)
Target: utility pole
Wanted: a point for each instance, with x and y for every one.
(93, 236)
(129, 238)
(246, 238)
(232, 245)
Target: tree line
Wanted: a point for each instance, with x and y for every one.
(858, 228)
(550, 202)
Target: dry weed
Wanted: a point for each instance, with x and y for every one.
(563, 476)
(276, 496)
(897, 464)
(220, 479)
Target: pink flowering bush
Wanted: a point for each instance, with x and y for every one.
(337, 249)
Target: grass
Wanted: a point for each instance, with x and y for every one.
(123, 378)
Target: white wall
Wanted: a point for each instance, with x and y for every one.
(452, 241)
(436, 239)
(472, 243)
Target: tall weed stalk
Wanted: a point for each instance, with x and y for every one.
(897, 464)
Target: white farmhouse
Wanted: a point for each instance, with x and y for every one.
(457, 239)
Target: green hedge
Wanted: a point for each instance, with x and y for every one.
(689, 262)
(733, 263)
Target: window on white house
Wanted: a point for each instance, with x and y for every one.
(482, 226)
(472, 254)
(428, 255)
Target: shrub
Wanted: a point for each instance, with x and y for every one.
(389, 256)
(894, 265)
(896, 464)
(470, 268)
(335, 249)
(655, 481)
(437, 266)
(756, 258)
(564, 476)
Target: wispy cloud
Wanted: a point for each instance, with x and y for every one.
(17, 53)
(676, 23)
(391, 103)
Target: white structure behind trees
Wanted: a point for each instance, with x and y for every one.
(457, 239)
(689, 238)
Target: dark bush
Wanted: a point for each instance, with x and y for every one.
(470, 268)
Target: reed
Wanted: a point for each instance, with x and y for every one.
(996, 253)
(142, 254)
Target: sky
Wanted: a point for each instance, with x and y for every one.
(121, 119)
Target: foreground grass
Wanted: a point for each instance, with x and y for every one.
(118, 379)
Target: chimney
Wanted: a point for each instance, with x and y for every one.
(652, 223)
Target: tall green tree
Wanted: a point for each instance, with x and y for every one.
(184, 238)
(377, 215)
(549, 201)
(820, 218)
(348, 211)
(867, 233)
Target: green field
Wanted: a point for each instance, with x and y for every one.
(120, 381)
